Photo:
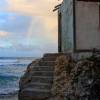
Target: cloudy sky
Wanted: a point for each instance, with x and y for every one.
(27, 27)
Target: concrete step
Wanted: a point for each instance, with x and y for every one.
(47, 63)
(37, 85)
(55, 54)
(42, 79)
(42, 73)
(49, 58)
(35, 94)
(43, 68)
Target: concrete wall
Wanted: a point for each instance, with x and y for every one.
(67, 25)
(87, 25)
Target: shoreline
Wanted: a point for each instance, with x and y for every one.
(13, 97)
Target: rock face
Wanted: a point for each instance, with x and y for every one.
(63, 67)
(61, 79)
(61, 74)
(83, 81)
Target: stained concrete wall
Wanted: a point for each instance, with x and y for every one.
(87, 25)
(66, 11)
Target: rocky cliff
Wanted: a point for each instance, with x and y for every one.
(70, 80)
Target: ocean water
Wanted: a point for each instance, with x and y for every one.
(11, 69)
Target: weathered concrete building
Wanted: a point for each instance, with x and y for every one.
(79, 25)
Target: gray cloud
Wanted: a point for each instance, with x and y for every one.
(12, 22)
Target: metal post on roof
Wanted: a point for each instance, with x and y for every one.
(56, 7)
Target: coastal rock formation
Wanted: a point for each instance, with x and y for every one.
(61, 79)
(61, 74)
(85, 81)
(82, 82)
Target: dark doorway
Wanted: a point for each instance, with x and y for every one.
(59, 32)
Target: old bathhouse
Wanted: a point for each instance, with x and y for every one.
(78, 25)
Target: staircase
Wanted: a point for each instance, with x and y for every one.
(39, 88)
